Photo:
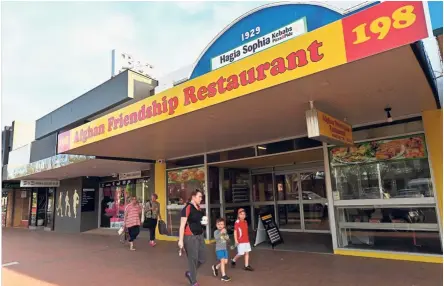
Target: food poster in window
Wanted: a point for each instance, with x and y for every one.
(181, 183)
(411, 147)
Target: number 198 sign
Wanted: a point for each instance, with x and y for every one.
(383, 27)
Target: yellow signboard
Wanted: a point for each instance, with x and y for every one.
(307, 54)
(329, 46)
(325, 128)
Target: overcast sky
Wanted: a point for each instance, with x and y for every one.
(53, 52)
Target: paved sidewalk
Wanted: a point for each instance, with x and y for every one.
(51, 259)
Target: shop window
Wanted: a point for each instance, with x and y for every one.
(186, 162)
(173, 219)
(314, 201)
(287, 187)
(289, 216)
(115, 196)
(287, 146)
(236, 185)
(385, 169)
(306, 143)
(389, 228)
(215, 214)
(263, 188)
(234, 154)
(181, 183)
(213, 185)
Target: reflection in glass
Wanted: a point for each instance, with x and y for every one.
(263, 188)
(181, 183)
(213, 185)
(287, 187)
(383, 180)
(115, 198)
(215, 214)
(405, 229)
(289, 216)
(236, 185)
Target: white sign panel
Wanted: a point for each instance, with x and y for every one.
(269, 40)
(130, 175)
(38, 183)
(122, 61)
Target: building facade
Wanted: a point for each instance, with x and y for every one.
(298, 111)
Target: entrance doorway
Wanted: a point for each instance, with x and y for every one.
(302, 204)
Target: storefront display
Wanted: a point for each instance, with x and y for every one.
(181, 183)
(116, 195)
(387, 172)
(396, 168)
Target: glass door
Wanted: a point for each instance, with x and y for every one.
(288, 202)
(41, 207)
(50, 209)
(263, 196)
(33, 209)
(302, 201)
(314, 201)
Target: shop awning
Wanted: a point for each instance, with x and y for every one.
(70, 166)
(264, 97)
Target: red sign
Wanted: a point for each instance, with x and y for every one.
(64, 142)
(383, 27)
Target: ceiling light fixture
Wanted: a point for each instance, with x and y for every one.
(262, 147)
(389, 115)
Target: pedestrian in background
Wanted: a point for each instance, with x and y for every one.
(132, 220)
(152, 215)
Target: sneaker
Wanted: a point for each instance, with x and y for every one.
(215, 271)
(188, 276)
(248, 268)
(152, 243)
(225, 278)
(233, 263)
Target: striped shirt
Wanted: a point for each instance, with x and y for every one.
(132, 215)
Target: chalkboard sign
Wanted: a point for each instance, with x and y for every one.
(272, 230)
(88, 200)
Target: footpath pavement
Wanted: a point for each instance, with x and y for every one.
(54, 259)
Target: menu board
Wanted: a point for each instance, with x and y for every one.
(88, 200)
(272, 230)
(411, 147)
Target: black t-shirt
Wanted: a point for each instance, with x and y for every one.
(194, 217)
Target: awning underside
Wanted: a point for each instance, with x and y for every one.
(358, 91)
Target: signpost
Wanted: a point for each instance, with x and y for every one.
(267, 228)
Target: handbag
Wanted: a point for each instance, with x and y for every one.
(121, 230)
(163, 230)
(148, 222)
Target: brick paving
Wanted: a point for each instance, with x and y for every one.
(54, 259)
